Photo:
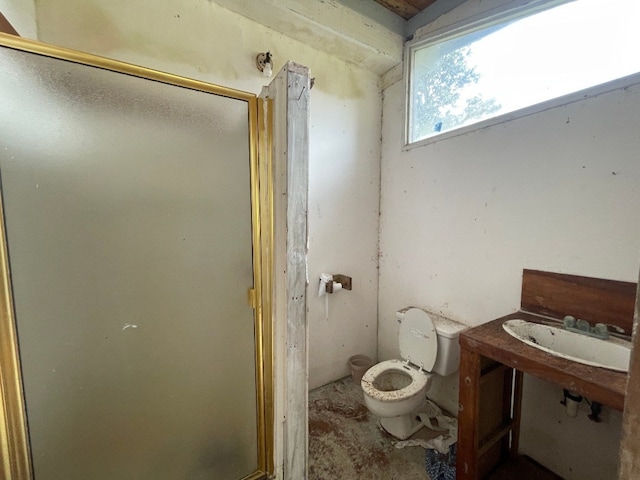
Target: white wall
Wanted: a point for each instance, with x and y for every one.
(460, 219)
(344, 188)
(576, 448)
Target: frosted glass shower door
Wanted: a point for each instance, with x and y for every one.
(128, 216)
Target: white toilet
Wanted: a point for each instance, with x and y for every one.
(395, 390)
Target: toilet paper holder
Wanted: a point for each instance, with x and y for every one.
(344, 280)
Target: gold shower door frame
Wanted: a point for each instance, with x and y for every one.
(15, 455)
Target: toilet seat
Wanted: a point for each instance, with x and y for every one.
(418, 383)
(417, 339)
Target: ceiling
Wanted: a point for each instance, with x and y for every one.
(405, 8)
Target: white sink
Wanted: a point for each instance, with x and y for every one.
(612, 353)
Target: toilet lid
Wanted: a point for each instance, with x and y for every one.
(418, 339)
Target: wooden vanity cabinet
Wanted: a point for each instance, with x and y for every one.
(492, 364)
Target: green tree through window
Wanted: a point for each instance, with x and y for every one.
(441, 99)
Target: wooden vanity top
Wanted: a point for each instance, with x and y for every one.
(597, 384)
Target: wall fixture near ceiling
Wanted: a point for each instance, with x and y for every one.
(264, 62)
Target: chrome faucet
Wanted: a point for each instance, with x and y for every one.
(618, 329)
(599, 330)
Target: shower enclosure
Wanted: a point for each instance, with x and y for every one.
(133, 337)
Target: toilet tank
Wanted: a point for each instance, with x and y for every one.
(448, 359)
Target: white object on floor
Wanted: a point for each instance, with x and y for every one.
(434, 419)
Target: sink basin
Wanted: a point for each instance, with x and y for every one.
(612, 353)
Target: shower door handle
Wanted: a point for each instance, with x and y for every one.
(251, 297)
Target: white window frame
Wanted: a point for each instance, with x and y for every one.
(478, 22)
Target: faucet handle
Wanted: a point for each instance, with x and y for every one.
(583, 325)
(601, 330)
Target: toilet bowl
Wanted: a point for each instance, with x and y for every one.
(395, 390)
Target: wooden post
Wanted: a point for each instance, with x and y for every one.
(630, 445)
(467, 451)
(289, 97)
(297, 437)
(518, 378)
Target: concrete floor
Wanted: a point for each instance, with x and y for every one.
(346, 443)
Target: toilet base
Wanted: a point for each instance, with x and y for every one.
(402, 427)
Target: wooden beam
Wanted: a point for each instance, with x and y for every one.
(328, 26)
(405, 8)
(298, 84)
(288, 96)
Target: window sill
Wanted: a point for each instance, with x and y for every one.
(618, 84)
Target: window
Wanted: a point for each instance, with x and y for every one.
(505, 65)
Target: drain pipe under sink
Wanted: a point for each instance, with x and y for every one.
(571, 401)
